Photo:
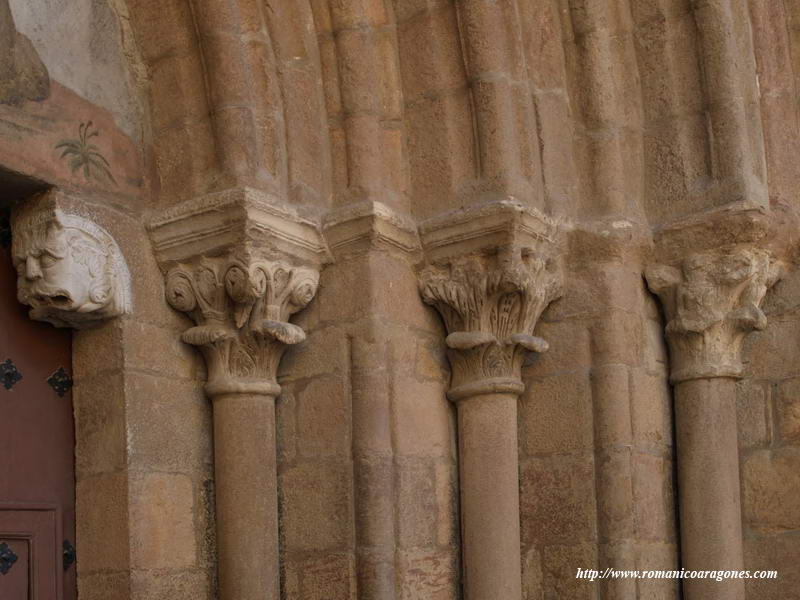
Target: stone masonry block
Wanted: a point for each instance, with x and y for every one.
(556, 414)
(162, 526)
(103, 522)
(316, 506)
(416, 504)
(770, 480)
(323, 418)
(428, 575)
(788, 409)
(557, 500)
(753, 413)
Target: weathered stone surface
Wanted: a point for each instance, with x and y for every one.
(616, 496)
(323, 418)
(568, 350)
(559, 565)
(324, 578)
(653, 497)
(712, 301)
(323, 352)
(98, 586)
(169, 436)
(103, 523)
(417, 508)
(556, 497)
(754, 415)
(314, 497)
(556, 415)
(663, 557)
(162, 517)
(773, 553)
(447, 503)
(769, 490)
(618, 338)
(99, 425)
(651, 409)
(532, 579)
(788, 405)
(181, 585)
(423, 419)
(428, 574)
(25, 76)
(762, 348)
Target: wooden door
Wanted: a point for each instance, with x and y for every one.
(37, 447)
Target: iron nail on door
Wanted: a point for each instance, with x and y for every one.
(7, 558)
(9, 374)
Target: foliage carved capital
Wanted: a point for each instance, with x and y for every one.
(490, 305)
(239, 263)
(712, 301)
(241, 309)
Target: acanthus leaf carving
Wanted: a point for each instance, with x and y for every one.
(490, 305)
(241, 309)
(712, 301)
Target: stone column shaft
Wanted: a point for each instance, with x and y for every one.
(708, 485)
(246, 496)
(489, 477)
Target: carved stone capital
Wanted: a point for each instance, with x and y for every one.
(241, 309)
(239, 266)
(70, 270)
(491, 298)
(712, 301)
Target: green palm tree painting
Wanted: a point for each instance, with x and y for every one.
(85, 155)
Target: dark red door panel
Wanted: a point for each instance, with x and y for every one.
(32, 535)
(15, 569)
(37, 472)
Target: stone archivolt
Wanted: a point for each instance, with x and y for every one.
(242, 310)
(712, 301)
(490, 305)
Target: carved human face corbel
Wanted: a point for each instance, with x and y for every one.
(70, 270)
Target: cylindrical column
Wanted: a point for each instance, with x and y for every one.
(489, 468)
(245, 466)
(490, 305)
(708, 485)
(241, 305)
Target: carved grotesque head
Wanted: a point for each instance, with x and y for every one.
(70, 271)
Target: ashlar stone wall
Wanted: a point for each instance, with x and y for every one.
(533, 236)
